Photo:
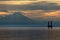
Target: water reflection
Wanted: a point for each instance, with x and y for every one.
(38, 34)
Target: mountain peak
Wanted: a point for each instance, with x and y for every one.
(16, 17)
(17, 13)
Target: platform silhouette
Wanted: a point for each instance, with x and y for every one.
(50, 25)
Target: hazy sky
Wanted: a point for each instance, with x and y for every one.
(29, 0)
(35, 9)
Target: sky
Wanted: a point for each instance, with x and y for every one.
(34, 9)
(29, 0)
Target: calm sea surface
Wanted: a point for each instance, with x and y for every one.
(29, 33)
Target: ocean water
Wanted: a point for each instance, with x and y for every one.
(29, 33)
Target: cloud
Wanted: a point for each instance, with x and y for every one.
(41, 15)
(18, 0)
(44, 7)
(34, 6)
(3, 11)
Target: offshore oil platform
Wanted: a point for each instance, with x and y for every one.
(50, 31)
(50, 25)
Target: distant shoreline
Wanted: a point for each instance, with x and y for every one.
(28, 28)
